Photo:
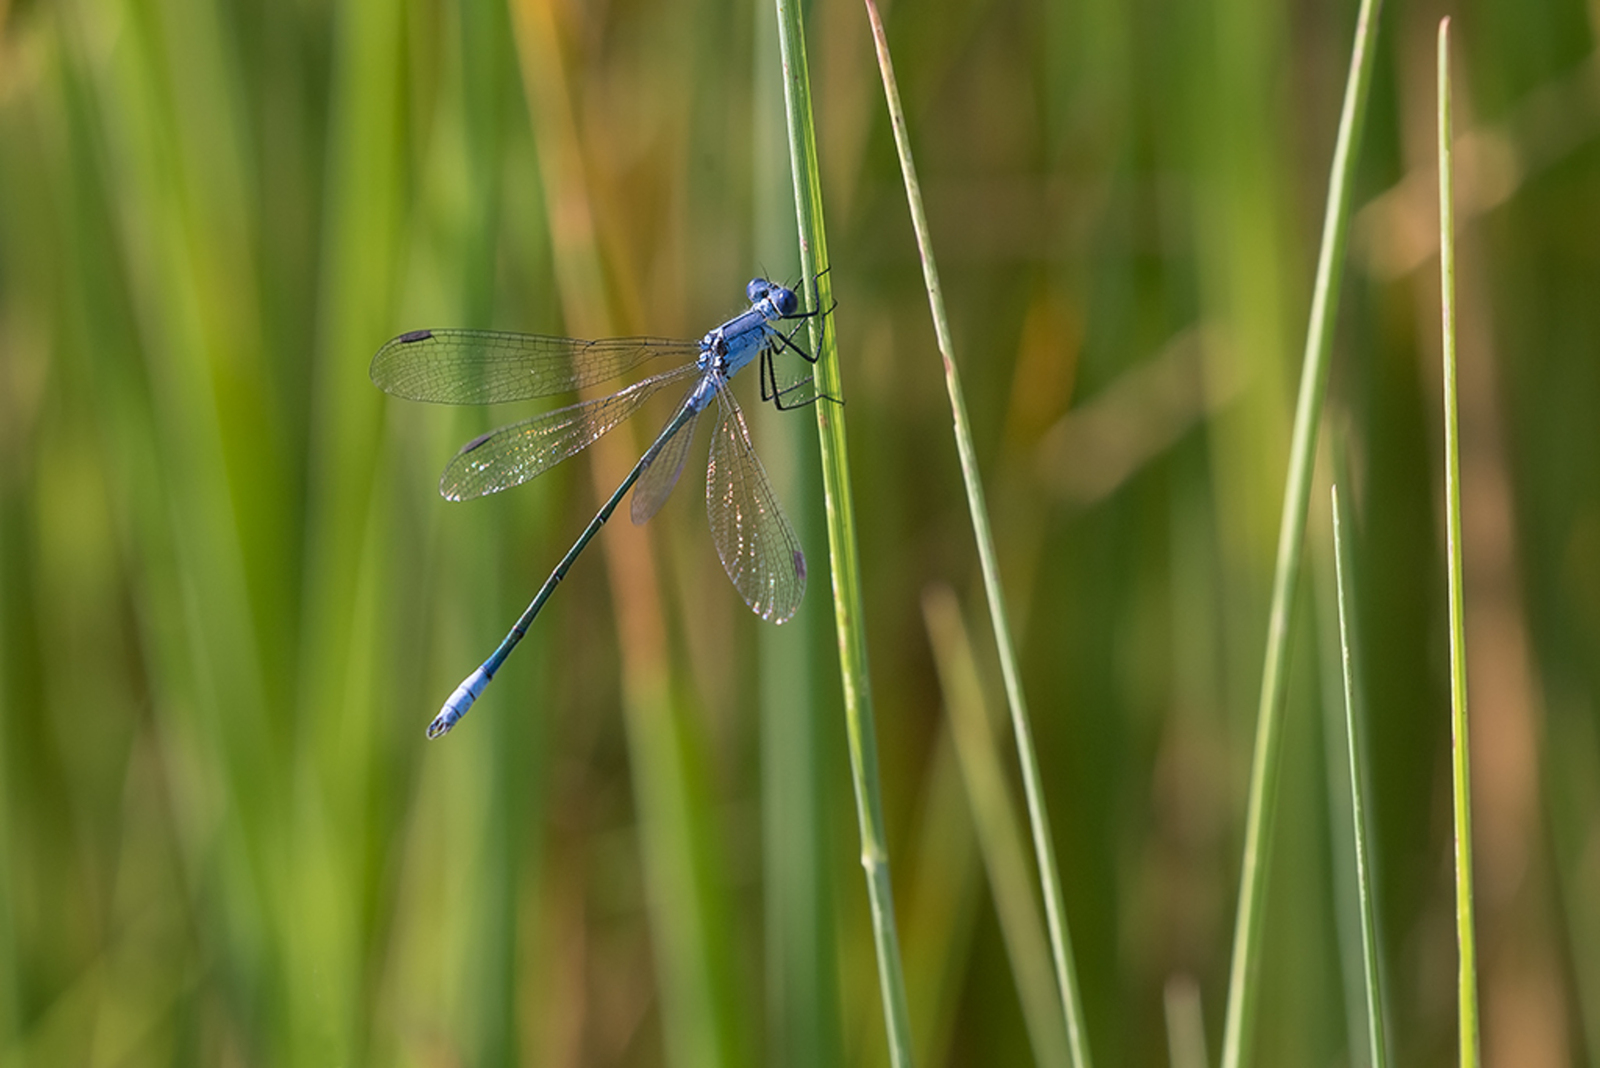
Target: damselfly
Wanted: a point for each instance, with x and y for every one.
(757, 545)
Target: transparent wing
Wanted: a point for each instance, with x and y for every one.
(488, 366)
(757, 545)
(513, 454)
(661, 473)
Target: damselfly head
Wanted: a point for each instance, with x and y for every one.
(781, 298)
(784, 300)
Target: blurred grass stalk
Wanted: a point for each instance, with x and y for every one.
(1344, 581)
(1460, 777)
(701, 1017)
(849, 618)
(998, 835)
(1266, 762)
(167, 110)
(1186, 1029)
(1038, 815)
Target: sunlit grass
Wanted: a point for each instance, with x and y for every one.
(1460, 749)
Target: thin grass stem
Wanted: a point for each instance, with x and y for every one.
(839, 508)
(1369, 939)
(1460, 779)
(1266, 761)
(994, 819)
(1038, 815)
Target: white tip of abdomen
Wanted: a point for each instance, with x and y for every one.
(459, 702)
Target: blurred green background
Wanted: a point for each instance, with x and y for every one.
(230, 598)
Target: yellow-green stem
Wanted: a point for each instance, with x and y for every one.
(1460, 778)
(843, 555)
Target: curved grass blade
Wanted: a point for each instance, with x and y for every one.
(1266, 760)
(513, 454)
(490, 366)
(757, 545)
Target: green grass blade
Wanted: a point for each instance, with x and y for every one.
(1369, 937)
(1460, 779)
(1186, 1030)
(842, 547)
(999, 837)
(1266, 762)
(1038, 816)
(801, 970)
(1343, 878)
